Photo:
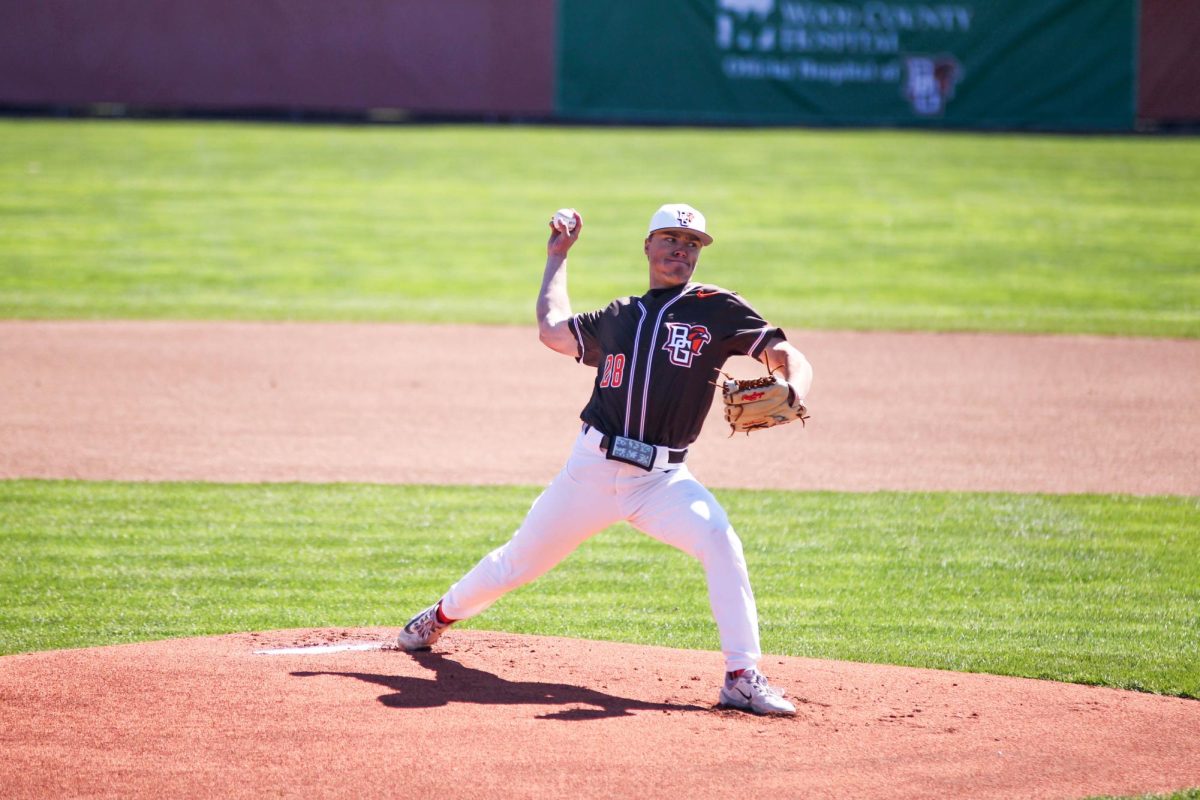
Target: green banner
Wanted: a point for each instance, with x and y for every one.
(1040, 64)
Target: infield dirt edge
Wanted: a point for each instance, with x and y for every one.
(504, 715)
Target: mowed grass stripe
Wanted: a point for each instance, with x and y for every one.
(821, 229)
(1090, 589)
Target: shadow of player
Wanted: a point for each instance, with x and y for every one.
(455, 683)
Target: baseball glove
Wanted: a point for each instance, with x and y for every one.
(752, 405)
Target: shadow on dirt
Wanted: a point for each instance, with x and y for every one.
(455, 683)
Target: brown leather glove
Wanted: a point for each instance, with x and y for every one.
(752, 405)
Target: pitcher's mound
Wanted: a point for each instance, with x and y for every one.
(491, 715)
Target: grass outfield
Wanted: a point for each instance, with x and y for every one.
(1089, 589)
(819, 229)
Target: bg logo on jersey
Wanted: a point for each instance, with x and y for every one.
(684, 342)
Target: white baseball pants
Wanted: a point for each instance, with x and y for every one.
(591, 493)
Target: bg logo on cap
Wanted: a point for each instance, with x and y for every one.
(680, 215)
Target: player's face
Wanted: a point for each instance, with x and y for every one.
(672, 255)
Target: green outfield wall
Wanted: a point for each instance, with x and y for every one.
(1063, 64)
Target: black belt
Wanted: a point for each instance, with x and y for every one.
(673, 457)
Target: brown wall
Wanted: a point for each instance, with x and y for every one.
(434, 56)
(1169, 61)
(447, 56)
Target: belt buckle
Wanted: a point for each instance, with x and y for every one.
(633, 452)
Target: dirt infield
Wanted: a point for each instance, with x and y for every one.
(413, 404)
(493, 715)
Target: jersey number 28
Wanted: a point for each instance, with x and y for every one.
(614, 371)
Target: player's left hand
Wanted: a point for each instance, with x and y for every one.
(752, 405)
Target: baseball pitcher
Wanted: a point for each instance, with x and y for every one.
(658, 360)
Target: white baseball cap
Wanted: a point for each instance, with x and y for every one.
(680, 216)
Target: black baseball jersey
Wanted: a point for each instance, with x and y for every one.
(658, 356)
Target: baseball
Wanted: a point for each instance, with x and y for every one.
(564, 220)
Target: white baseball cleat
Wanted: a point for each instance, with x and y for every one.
(422, 630)
(751, 692)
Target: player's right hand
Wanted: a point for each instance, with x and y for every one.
(561, 240)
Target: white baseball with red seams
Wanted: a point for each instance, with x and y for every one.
(564, 220)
